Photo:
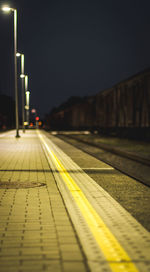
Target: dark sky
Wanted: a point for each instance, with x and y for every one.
(74, 48)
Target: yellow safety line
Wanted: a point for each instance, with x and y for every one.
(116, 256)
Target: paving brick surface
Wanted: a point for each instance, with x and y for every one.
(36, 233)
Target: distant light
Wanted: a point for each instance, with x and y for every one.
(33, 110)
(6, 8)
(18, 54)
(27, 92)
(37, 118)
(86, 132)
(25, 123)
(22, 76)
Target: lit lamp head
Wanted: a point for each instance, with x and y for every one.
(6, 8)
(18, 55)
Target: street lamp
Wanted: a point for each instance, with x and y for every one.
(22, 86)
(27, 107)
(8, 9)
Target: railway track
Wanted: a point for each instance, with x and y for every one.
(130, 164)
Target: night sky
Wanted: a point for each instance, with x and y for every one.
(74, 48)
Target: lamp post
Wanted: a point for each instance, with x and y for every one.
(8, 9)
(27, 107)
(22, 87)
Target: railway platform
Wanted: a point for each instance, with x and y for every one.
(55, 217)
